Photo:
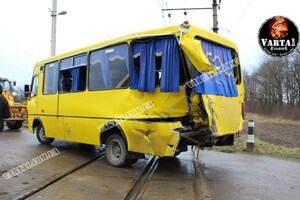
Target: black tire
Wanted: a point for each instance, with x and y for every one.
(14, 124)
(116, 151)
(40, 135)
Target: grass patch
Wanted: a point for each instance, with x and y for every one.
(268, 119)
(261, 148)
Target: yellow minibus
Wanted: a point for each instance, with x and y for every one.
(153, 92)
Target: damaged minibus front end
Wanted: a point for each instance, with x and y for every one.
(216, 89)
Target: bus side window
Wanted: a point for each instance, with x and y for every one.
(72, 76)
(34, 89)
(50, 78)
(65, 81)
(79, 73)
(65, 78)
(109, 68)
(118, 72)
(96, 80)
(117, 58)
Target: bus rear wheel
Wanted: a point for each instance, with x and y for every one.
(116, 151)
(41, 137)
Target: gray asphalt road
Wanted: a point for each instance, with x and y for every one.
(224, 176)
(247, 177)
(19, 146)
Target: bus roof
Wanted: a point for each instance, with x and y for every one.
(194, 31)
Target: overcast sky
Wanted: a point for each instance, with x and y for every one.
(25, 26)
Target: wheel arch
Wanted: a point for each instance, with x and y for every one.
(36, 122)
(109, 128)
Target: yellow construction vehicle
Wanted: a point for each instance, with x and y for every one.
(18, 110)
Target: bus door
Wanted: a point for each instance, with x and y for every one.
(48, 102)
(73, 106)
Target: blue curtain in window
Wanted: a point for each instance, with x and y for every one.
(170, 66)
(147, 66)
(222, 83)
(144, 80)
(76, 79)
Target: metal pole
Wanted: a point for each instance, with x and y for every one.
(53, 28)
(250, 141)
(215, 16)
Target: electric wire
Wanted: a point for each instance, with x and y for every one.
(160, 7)
(236, 22)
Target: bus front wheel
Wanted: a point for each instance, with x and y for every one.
(116, 150)
(41, 137)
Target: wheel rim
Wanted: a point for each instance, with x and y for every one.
(116, 150)
(42, 134)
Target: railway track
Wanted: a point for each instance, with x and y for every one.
(138, 186)
(146, 173)
(52, 180)
(138, 182)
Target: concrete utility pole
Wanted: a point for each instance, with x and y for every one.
(53, 27)
(215, 16)
(214, 8)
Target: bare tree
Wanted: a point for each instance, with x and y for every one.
(274, 85)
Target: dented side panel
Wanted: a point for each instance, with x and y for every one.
(155, 138)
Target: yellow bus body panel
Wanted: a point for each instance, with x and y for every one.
(224, 115)
(83, 130)
(53, 126)
(94, 104)
(84, 123)
(155, 138)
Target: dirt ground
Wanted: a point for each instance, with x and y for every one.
(276, 131)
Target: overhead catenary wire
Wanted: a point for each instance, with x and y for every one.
(246, 9)
(160, 7)
(214, 8)
(169, 14)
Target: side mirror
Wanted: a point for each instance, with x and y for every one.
(27, 90)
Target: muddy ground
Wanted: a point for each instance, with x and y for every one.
(275, 131)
